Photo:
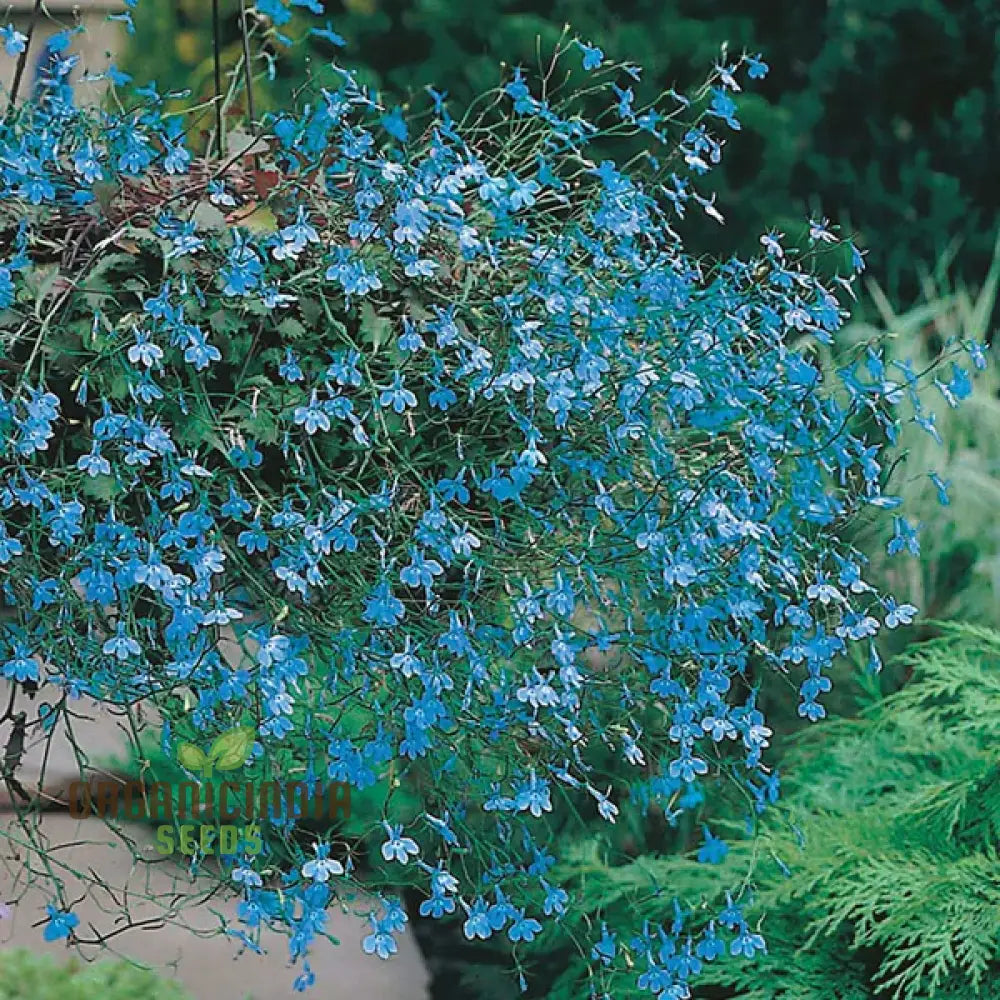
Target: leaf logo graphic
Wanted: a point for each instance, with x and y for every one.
(232, 749)
(190, 757)
(228, 752)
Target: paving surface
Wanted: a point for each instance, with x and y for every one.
(79, 744)
(147, 908)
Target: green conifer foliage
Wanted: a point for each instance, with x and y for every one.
(878, 876)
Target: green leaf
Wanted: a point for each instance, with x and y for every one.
(207, 216)
(100, 487)
(375, 329)
(126, 262)
(291, 329)
(255, 307)
(223, 321)
(311, 311)
(40, 280)
(106, 192)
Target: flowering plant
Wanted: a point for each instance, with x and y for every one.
(424, 449)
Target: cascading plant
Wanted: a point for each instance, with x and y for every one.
(424, 449)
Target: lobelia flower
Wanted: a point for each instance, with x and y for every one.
(397, 847)
(14, 41)
(60, 924)
(322, 866)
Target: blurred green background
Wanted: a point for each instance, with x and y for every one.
(881, 114)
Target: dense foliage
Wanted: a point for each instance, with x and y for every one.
(912, 174)
(427, 450)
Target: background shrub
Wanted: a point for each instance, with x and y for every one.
(912, 174)
(28, 976)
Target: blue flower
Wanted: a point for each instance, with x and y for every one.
(592, 56)
(710, 947)
(397, 847)
(353, 276)
(523, 928)
(420, 571)
(397, 395)
(714, 850)
(9, 546)
(22, 666)
(382, 608)
(606, 948)
(247, 877)
(437, 906)
(477, 923)
(200, 353)
(395, 124)
(904, 538)
(305, 979)
(289, 369)
(322, 866)
(312, 416)
(14, 41)
(144, 351)
(534, 796)
(329, 35)
(747, 943)
(724, 107)
(898, 614)
(242, 272)
(757, 69)
(441, 827)
(380, 942)
(121, 646)
(94, 463)
(276, 10)
(556, 899)
(60, 924)
(942, 486)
